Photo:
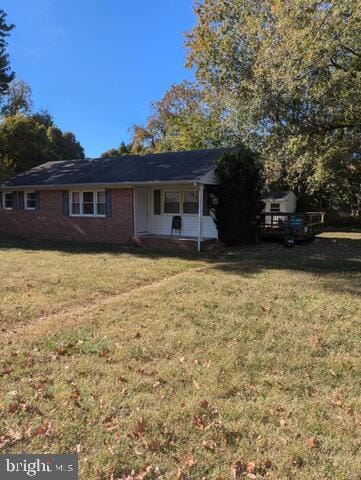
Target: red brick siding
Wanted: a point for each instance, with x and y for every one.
(49, 222)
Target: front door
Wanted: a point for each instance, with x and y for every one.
(141, 210)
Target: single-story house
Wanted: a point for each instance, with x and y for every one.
(114, 200)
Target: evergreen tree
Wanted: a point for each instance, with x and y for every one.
(237, 201)
(6, 76)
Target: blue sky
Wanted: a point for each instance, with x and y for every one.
(96, 65)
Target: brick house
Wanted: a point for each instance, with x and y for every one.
(122, 200)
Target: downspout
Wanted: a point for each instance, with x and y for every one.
(200, 215)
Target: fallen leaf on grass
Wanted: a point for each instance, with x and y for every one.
(199, 422)
(6, 371)
(44, 430)
(13, 407)
(250, 467)
(312, 443)
(10, 438)
(140, 428)
(315, 341)
(60, 351)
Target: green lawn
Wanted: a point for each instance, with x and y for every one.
(245, 365)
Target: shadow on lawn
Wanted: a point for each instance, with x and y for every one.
(336, 262)
(335, 259)
(77, 248)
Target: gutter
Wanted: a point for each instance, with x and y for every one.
(67, 186)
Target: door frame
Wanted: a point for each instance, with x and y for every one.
(135, 200)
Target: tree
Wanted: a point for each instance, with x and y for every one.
(23, 144)
(237, 200)
(26, 142)
(18, 99)
(117, 152)
(181, 120)
(64, 144)
(6, 76)
(289, 76)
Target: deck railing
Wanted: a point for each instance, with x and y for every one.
(304, 225)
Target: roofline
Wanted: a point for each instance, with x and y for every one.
(100, 185)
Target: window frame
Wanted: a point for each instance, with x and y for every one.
(81, 213)
(180, 202)
(26, 193)
(275, 211)
(181, 193)
(3, 205)
(197, 193)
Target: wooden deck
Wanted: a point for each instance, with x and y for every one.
(301, 226)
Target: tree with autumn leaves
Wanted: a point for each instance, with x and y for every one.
(282, 77)
(290, 77)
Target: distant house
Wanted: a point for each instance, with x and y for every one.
(128, 199)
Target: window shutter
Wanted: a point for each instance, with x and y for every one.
(66, 203)
(20, 203)
(156, 202)
(108, 203)
(37, 200)
(15, 200)
(206, 211)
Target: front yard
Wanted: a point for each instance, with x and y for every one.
(245, 365)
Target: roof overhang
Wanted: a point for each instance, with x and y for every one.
(70, 186)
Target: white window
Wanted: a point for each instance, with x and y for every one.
(171, 202)
(7, 201)
(30, 200)
(275, 207)
(87, 203)
(190, 202)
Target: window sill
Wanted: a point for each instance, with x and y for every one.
(86, 216)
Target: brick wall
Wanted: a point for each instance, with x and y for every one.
(49, 222)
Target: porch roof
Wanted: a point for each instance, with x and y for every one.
(172, 167)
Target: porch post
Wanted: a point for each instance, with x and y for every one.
(200, 216)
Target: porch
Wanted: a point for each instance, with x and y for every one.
(172, 242)
(156, 206)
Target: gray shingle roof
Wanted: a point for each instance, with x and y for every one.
(277, 195)
(160, 167)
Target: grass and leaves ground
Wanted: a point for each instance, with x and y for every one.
(242, 365)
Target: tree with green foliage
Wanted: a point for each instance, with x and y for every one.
(26, 142)
(6, 76)
(23, 144)
(123, 149)
(289, 77)
(64, 144)
(181, 120)
(237, 201)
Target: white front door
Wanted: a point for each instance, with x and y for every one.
(141, 210)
